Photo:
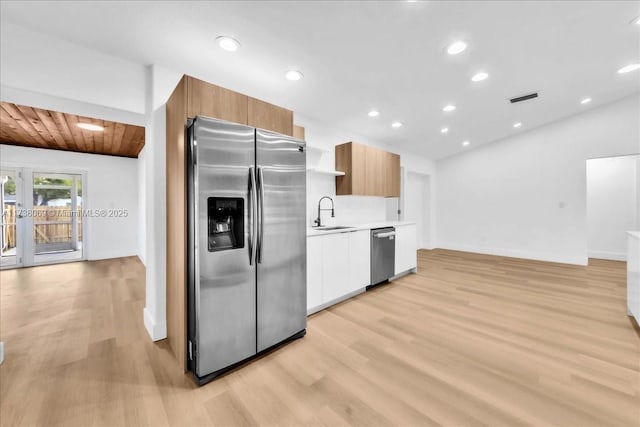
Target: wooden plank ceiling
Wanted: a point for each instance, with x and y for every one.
(35, 127)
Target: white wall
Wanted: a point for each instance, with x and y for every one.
(348, 209)
(37, 62)
(142, 205)
(525, 196)
(612, 195)
(417, 207)
(112, 183)
(637, 226)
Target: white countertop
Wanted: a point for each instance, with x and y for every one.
(635, 234)
(313, 231)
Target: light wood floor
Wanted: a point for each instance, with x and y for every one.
(469, 340)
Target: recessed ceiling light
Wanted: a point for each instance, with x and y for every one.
(228, 43)
(456, 47)
(449, 108)
(293, 75)
(585, 101)
(91, 127)
(444, 130)
(396, 124)
(629, 68)
(517, 125)
(478, 77)
(637, 20)
(466, 143)
(373, 113)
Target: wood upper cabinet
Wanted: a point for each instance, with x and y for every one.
(209, 100)
(368, 171)
(392, 181)
(375, 172)
(350, 158)
(298, 132)
(271, 117)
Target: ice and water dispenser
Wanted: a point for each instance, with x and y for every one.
(225, 223)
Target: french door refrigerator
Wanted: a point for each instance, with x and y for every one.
(246, 243)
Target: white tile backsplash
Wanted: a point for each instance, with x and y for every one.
(348, 209)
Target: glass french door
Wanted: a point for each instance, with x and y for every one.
(42, 217)
(57, 217)
(11, 201)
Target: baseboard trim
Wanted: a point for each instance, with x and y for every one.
(156, 331)
(613, 256)
(109, 255)
(404, 273)
(538, 256)
(328, 304)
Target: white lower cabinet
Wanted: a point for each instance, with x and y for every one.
(339, 264)
(359, 259)
(406, 248)
(335, 265)
(314, 272)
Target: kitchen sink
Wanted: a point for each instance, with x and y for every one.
(338, 227)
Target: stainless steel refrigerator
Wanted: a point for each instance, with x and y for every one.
(246, 243)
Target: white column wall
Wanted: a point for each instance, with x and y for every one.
(159, 86)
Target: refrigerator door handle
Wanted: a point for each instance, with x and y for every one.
(253, 206)
(261, 215)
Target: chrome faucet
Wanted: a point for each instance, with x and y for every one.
(318, 221)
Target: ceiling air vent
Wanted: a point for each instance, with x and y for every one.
(524, 97)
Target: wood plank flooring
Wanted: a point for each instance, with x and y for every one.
(468, 340)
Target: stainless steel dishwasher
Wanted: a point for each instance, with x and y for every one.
(383, 253)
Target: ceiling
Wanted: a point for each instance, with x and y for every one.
(35, 127)
(387, 55)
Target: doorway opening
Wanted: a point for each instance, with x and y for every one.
(417, 206)
(613, 205)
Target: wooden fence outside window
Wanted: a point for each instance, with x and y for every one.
(52, 225)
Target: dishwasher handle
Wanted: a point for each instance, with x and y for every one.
(384, 235)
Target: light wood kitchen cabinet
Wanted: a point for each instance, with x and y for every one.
(298, 132)
(375, 172)
(268, 116)
(369, 171)
(392, 177)
(209, 100)
(406, 248)
(350, 159)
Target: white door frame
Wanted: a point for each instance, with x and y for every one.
(428, 227)
(18, 178)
